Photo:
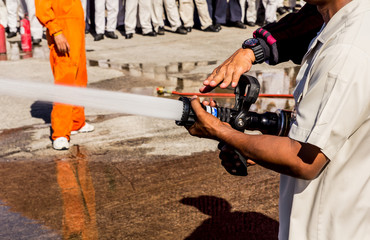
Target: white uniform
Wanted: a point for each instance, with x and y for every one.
(243, 6)
(3, 14)
(333, 113)
(270, 9)
(84, 5)
(112, 12)
(280, 3)
(141, 7)
(172, 14)
(293, 3)
(252, 10)
(187, 13)
(19, 8)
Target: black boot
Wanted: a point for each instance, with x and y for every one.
(99, 37)
(111, 35)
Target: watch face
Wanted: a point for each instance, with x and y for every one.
(251, 42)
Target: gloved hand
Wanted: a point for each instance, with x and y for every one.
(231, 161)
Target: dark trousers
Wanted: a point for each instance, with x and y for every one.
(121, 14)
(90, 16)
(218, 10)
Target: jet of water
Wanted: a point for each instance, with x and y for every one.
(100, 99)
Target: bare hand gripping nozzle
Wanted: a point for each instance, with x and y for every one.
(239, 117)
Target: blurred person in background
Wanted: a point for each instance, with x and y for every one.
(251, 13)
(141, 9)
(3, 14)
(187, 15)
(121, 16)
(226, 12)
(281, 9)
(86, 4)
(22, 8)
(270, 10)
(108, 27)
(293, 4)
(172, 13)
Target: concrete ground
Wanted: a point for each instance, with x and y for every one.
(134, 177)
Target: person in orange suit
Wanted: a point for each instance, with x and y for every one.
(64, 20)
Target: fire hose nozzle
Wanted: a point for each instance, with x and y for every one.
(239, 117)
(188, 117)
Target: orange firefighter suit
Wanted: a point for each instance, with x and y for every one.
(67, 17)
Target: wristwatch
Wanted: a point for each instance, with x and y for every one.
(256, 47)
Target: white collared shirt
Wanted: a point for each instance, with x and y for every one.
(333, 113)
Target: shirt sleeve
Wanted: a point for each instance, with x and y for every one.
(337, 101)
(292, 34)
(46, 16)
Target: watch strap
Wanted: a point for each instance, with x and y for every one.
(258, 53)
(255, 45)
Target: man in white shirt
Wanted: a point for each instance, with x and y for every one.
(324, 161)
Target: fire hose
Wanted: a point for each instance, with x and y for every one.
(161, 90)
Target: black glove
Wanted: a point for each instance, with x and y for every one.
(231, 161)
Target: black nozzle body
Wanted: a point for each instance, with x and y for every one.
(189, 117)
(268, 123)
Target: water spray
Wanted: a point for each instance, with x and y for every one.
(239, 117)
(95, 98)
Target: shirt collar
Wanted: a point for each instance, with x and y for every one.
(340, 19)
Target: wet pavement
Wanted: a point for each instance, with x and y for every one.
(119, 195)
(133, 177)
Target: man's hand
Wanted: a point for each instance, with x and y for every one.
(206, 126)
(62, 44)
(230, 70)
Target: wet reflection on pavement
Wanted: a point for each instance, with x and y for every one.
(76, 187)
(15, 53)
(124, 194)
(16, 226)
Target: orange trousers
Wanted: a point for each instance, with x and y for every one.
(70, 70)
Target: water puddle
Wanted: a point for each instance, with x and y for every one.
(15, 53)
(53, 200)
(16, 226)
(116, 195)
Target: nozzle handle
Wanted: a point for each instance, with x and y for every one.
(246, 94)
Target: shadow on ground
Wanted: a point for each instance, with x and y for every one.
(226, 224)
(41, 110)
